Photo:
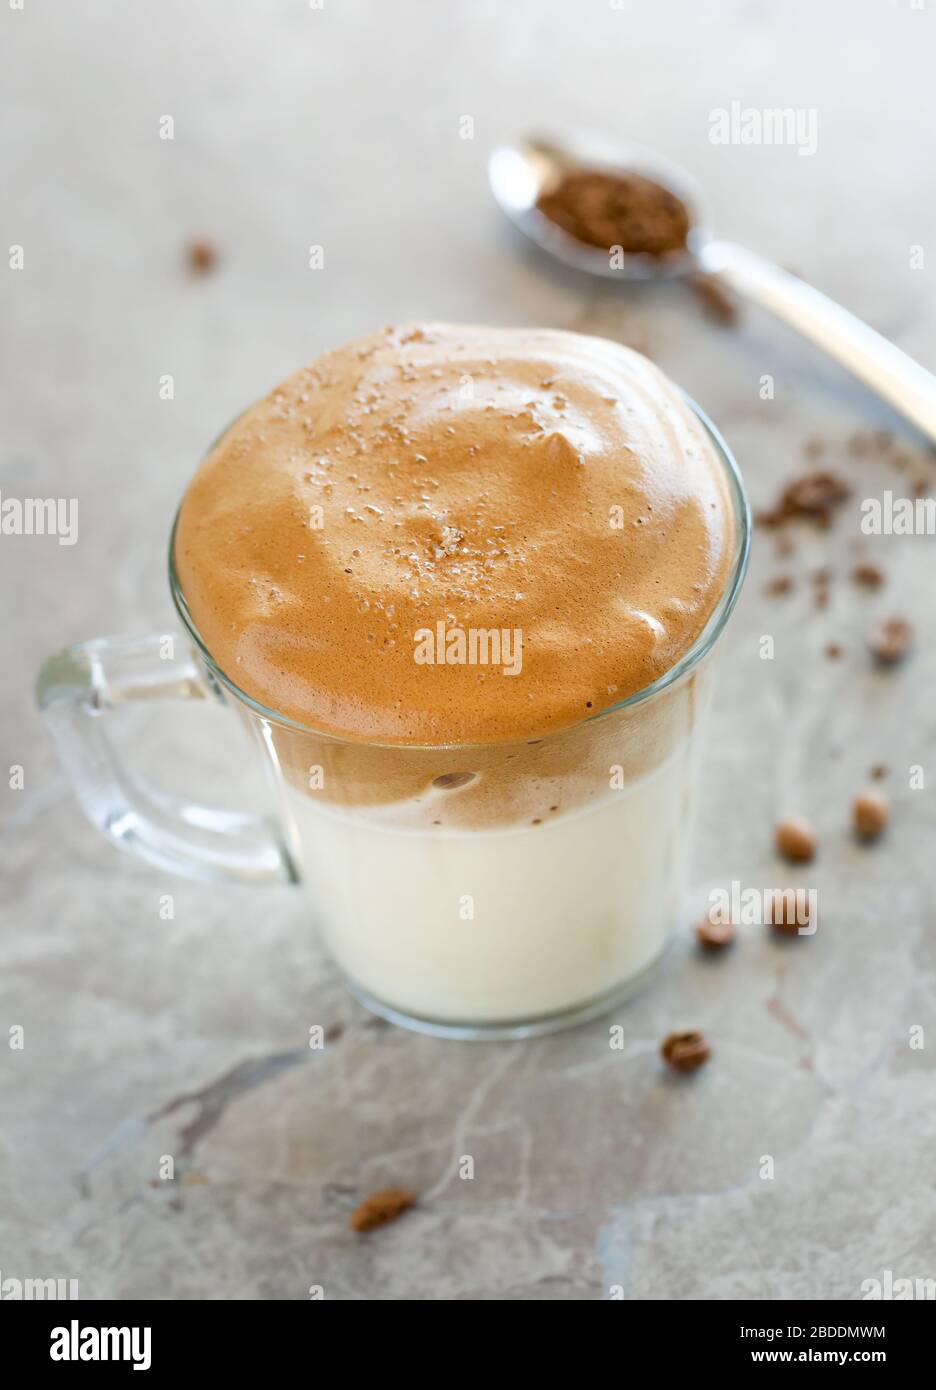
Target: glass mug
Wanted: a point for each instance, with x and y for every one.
(469, 891)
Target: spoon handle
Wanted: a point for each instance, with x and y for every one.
(879, 364)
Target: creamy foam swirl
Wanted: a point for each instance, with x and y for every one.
(436, 479)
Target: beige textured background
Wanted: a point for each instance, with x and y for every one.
(340, 126)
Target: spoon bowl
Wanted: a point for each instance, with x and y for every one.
(522, 171)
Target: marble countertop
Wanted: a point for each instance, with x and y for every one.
(596, 1173)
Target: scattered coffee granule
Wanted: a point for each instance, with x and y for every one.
(715, 297)
(626, 210)
(821, 580)
(833, 651)
(868, 574)
(784, 545)
(380, 1209)
(795, 840)
(202, 257)
(891, 640)
(685, 1051)
(791, 912)
(813, 497)
(870, 814)
(783, 584)
(879, 442)
(715, 936)
(814, 448)
(878, 771)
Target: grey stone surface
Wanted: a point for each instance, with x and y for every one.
(593, 1168)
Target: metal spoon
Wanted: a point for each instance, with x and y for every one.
(520, 172)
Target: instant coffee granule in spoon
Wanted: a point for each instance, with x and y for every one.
(626, 210)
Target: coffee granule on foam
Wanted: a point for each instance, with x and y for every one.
(626, 210)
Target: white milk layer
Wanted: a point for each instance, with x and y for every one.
(490, 926)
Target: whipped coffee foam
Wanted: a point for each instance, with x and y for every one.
(478, 848)
(434, 479)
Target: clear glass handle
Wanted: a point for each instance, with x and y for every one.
(76, 689)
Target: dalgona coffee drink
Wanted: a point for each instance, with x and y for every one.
(464, 577)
